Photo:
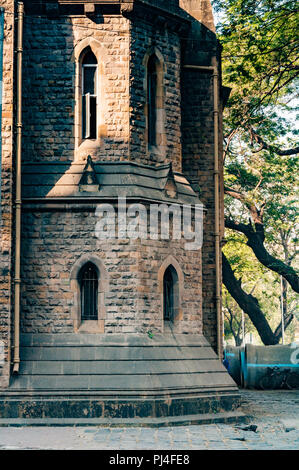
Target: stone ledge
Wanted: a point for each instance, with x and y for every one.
(113, 339)
(208, 418)
(27, 407)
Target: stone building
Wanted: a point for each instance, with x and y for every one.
(110, 105)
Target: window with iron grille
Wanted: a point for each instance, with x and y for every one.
(168, 288)
(88, 278)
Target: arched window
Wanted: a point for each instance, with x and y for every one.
(89, 95)
(88, 280)
(152, 84)
(170, 293)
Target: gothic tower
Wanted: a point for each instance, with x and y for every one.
(112, 211)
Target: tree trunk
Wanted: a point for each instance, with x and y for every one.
(248, 303)
(272, 263)
(255, 239)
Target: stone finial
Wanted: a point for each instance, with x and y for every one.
(89, 181)
(170, 187)
(201, 10)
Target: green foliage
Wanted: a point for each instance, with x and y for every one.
(260, 41)
(255, 279)
(260, 64)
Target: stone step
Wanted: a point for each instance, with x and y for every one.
(37, 407)
(117, 363)
(120, 367)
(131, 340)
(117, 376)
(114, 353)
(206, 418)
(128, 381)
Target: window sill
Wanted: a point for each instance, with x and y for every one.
(87, 147)
(156, 151)
(90, 326)
(89, 143)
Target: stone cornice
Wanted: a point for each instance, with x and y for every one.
(66, 7)
(173, 18)
(155, 12)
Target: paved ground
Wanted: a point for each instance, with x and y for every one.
(275, 413)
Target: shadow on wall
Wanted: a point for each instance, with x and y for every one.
(52, 110)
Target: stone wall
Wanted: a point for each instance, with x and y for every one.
(201, 10)
(6, 186)
(49, 111)
(49, 86)
(53, 241)
(198, 166)
(49, 89)
(147, 39)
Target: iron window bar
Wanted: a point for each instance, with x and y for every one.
(89, 293)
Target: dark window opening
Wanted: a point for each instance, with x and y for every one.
(152, 80)
(89, 96)
(168, 294)
(88, 279)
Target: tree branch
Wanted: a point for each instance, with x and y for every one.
(256, 214)
(239, 227)
(287, 321)
(256, 237)
(256, 243)
(265, 146)
(248, 303)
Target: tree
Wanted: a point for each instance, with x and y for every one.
(242, 270)
(246, 268)
(260, 64)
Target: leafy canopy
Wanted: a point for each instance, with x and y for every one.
(260, 42)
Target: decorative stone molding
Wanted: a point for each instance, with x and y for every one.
(127, 7)
(170, 188)
(89, 8)
(89, 181)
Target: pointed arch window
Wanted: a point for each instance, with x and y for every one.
(89, 95)
(170, 293)
(152, 86)
(88, 280)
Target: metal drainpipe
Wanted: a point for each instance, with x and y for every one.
(17, 278)
(214, 70)
(1, 76)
